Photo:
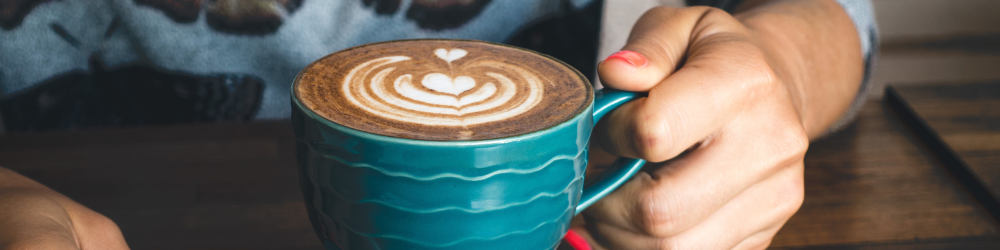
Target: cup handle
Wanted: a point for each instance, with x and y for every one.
(604, 102)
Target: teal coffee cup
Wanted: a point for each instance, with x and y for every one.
(369, 191)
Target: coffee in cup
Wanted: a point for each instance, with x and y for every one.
(442, 90)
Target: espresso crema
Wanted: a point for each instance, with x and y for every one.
(442, 90)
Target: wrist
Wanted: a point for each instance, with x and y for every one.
(815, 51)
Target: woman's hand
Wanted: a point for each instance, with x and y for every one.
(732, 104)
(33, 216)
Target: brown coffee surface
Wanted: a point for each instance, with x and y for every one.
(442, 90)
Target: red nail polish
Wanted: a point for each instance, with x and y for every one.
(574, 240)
(629, 56)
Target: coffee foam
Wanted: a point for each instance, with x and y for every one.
(442, 90)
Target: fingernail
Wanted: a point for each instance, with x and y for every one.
(574, 240)
(631, 57)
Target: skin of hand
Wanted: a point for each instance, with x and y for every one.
(733, 101)
(33, 216)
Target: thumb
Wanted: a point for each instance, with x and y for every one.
(700, 62)
(655, 48)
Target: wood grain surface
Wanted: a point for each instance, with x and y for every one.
(873, 185)
(961, 125)
(234, 186)
(967, 117)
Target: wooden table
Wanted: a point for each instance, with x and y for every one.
(234, 186)
(962, 124)
(873, 185)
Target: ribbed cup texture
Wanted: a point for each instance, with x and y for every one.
(370, 192)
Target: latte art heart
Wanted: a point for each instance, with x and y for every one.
(442, 83)
(441, 100)
(405, 87)
(450, 55)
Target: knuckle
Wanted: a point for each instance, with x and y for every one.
(758, 76)
(741, 66)
(704, 10)
(713, 13)
(787, 142)
(792, 191)
(761, 244)
(763, 75)
(793, 195)
(102, 224)
(658, 216)
(654, 136)
(764, 244)
(715, 22)
(793, 143)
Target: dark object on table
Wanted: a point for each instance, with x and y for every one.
(965, 115)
